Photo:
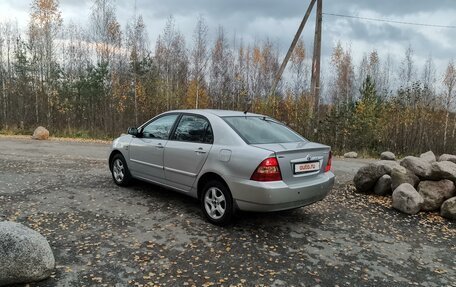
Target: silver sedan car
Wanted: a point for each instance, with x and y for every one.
(228, 160)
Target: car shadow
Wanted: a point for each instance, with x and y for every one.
(187, 204)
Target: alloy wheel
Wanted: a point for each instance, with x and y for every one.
(215, 203)
(118, 170)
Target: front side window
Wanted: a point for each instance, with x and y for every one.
(193, 129)
(262, 130)
(159, 128)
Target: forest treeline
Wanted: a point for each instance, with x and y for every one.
(98, 79)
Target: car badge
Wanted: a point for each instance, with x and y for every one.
(308, 157)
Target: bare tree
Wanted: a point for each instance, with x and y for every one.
(385, 79)
(343, 88)
(76, 62)
(45, 24)
(240, 86)
(220, 81)
(449, 81)
(137, 45)
(105, 28)
(172, 62)
(429, 79)
(199, 56)
(299, 69)
(407, 71)
(106, 36)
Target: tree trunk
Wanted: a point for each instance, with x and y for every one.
(446, 128)
(454, 127)
(197, 95)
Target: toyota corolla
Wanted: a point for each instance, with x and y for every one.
(228, 160)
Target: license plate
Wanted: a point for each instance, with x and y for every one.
(307, 167)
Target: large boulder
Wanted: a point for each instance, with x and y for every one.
(368, 175)
(448, 209)
(434, 193)
(383, 185)
(428, 156)
(25, 255)
(406, 199)
(448, 157)
(400, 175)
(444, 170)
(387, 155)
(351, 154)
(40, 133)
(419, 166)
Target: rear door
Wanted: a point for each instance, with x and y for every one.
(146, 151)
(187, 150)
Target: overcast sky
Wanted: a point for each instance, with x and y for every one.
(256, 20)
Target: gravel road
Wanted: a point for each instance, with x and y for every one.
(104, 235)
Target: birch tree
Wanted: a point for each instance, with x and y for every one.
(449, 82)
(198, 60)
(45, 24)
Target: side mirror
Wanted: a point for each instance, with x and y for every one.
(133, 131)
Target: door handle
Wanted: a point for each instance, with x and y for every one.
(200, 151)
(159, 146)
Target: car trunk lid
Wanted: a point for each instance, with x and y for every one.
(299, 160)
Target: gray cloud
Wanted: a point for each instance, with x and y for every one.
(391, 7)
(223, 8)
(256, 20)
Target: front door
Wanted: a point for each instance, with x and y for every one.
(187, 150)
(146, 150)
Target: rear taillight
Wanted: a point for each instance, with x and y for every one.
(328, 165)
(268, 170)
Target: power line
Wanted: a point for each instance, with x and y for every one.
(391, 21)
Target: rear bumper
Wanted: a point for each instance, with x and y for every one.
(274, 196)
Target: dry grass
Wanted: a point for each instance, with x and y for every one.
(59, 139)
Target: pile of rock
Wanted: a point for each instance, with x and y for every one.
(416, 183)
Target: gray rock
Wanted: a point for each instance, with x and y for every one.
(40, 133)
(351, 154)
(448, 209)
(387, 155)
(443, 170)
(434, 193)
(448, 157)
(406, 199)
(428, 156)
(383, 185)
(368, 175)
(25, 255)
(418, 166)
(400, 175)
(388, 165)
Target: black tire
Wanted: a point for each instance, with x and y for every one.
(119, 170)
(222, 201)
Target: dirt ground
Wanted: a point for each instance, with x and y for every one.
(104, 235)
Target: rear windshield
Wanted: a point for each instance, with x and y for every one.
(262, 130)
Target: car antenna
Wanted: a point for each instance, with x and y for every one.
(248, 105)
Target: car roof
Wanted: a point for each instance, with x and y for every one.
(220, 113)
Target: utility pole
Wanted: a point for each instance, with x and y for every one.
(290, 50)
(315, 82)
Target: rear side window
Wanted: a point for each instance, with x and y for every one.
(193, 129)
(261, 130)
